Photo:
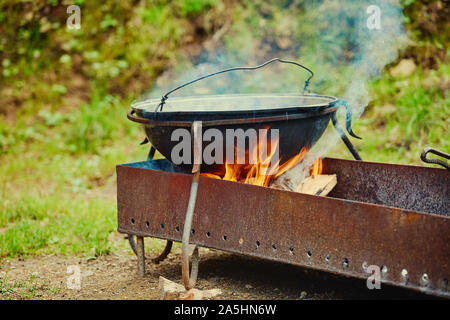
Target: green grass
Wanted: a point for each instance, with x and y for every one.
(57, 187)
(57, 192)
(30, 289)
(53, 224)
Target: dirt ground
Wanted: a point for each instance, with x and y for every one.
(114, 276)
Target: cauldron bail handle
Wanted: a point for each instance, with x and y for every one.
(166, 96)
(190, 277)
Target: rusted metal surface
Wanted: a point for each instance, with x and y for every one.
(340, 236)
(413, 188)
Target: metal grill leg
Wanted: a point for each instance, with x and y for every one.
(344, 138)
(140, 250)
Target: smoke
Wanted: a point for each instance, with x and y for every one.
(377, 48)
(375, 39)
(346, 43)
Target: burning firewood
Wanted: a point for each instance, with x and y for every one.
(306, 178)
(318, 185)
(291, 178)
(301, 173)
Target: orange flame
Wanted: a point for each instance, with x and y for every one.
(317, 167)
(261, 173)
(292, 162)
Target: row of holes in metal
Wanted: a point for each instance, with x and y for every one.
(345, 261)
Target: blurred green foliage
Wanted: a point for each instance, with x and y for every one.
(191, 7)
(121, 44)
(428, 24)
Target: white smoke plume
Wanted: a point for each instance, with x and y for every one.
(347, 44)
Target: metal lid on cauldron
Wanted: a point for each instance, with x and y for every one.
(233, 105)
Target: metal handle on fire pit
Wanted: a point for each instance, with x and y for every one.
(423, 157)
(166, 96)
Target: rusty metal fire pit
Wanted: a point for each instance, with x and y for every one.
(396, 217)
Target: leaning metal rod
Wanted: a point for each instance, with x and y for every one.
(190, 278)
(344, 137)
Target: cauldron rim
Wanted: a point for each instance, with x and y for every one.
(247, 105)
